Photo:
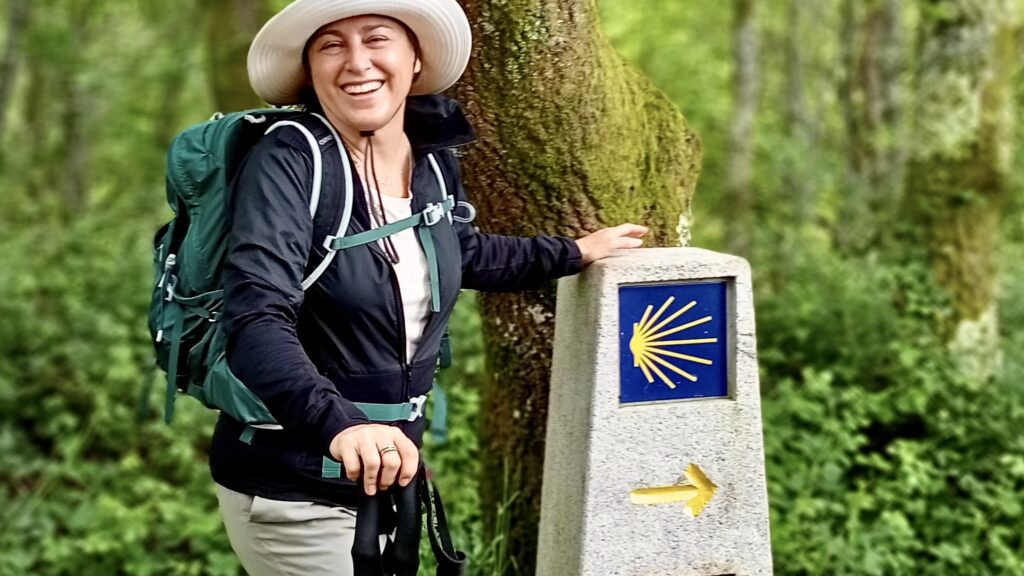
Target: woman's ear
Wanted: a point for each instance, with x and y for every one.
(417, 66)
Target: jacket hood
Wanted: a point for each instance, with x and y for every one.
(434, 122)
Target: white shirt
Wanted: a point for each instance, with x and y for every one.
(412, 272)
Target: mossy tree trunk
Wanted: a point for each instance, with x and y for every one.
(960, 165)
(571, 139)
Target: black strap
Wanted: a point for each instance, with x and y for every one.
(450, 562)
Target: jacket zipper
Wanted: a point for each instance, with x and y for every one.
(400, 325)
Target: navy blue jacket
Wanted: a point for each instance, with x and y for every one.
(310, 355)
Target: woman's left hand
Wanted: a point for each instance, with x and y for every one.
(606, 241)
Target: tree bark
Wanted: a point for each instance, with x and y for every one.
(847, 60)
(739, 181)
(230, 28)
(17, 20)
(960, 166)
(571, 138)
(878, 74)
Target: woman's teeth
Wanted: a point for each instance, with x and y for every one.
(363, 88)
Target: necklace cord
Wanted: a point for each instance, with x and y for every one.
(378, 215)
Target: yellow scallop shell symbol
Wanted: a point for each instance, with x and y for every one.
(648, 343)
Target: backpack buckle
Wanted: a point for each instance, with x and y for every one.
(417, 407)
(169, 290)
(433, 214)
(168, 281)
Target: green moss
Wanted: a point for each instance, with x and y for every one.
(975, 346)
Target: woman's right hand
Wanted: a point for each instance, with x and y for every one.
(359, 449)
(606, 241)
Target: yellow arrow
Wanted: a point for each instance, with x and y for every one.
(695, 495)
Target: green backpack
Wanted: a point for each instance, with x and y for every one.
(189, 254)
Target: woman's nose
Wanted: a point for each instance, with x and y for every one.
(359, 58)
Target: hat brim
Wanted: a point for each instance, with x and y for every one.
(275, 56)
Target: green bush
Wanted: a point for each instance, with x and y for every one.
(84, 488)
(881, 459)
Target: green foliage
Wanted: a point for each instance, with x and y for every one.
(84, 488)
(669, 42)
(882, 459)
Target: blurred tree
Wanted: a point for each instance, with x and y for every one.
(960, 164)
(54, 109)
(571, 138)
(881, 460)
(76, 102)
(82, 182)
(230, 28)
(798, 114)
(739, 183)
(17, 19)
(870, 89)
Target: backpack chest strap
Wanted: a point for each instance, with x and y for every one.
(423, 222)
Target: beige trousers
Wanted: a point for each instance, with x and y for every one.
(278, 538)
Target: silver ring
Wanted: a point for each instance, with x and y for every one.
(387, 449)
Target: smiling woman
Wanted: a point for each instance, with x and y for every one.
(345, 363)
(362, 69)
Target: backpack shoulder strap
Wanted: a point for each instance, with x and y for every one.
(342, 205)
(319, 134)
(318, 169)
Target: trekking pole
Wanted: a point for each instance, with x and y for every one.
(396, 509)
(403, 555)
(366, 556)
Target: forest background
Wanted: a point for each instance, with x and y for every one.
(893, 439)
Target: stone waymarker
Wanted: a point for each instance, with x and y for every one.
(655, 460)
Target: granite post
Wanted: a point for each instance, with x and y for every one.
(655, 460)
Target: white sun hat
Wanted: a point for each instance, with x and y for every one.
(275, 57)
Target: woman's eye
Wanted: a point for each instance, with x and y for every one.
(377, 39)
(331, 45)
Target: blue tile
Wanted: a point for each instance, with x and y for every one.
(673, 342)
